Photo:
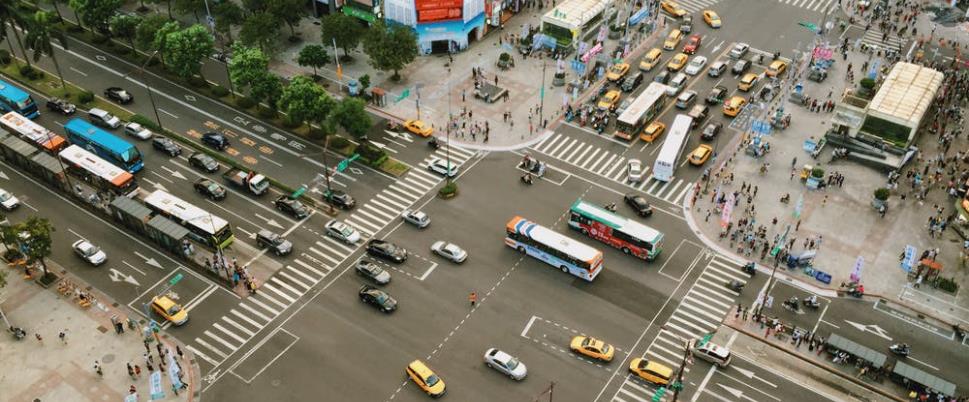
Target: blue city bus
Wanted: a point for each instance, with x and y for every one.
(14, 99)
(104, 144)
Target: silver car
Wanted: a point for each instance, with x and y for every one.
(739, 50)
(450, 251)
(342, 231)
(416, 218)
(369, 269)
(8, 201)
(138, 131)
(505, 363)
(635, 170)
(442, 167)
(89, 252)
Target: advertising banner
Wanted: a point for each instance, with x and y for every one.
(438, 10)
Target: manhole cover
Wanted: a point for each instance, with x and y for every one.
(275, 383)
(108, 358)
(102, 329)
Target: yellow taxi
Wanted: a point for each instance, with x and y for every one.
(418, 128)
(651, 59)
(677, 62)
(617, 71)
(592, 347)
(651, 371)
(747, 82)
(777, 68)
(426, 380)
(733, 106)
(711, 18)
(673, 39)
(169, 310)
(673, 8)
(610, 100)
(700, 155)
(652, 131)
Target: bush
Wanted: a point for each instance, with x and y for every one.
(86, 97)
(220, 91)
(379, 161)
(504, 57)
(316, 134)
(74, 29)
(947, 284)
(881, 194)
(5, 57)
(448, 190)
(867, 83)
(153, 61)
(339, 142)
(99, 39)
(370, 152)
(31, 73)
(124, 51)
(245, 103)
(817, 173)
(289, 122)
(266, 113)
(144, 121)
(197, 82)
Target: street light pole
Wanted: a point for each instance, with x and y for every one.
(151, 98)
(326, 166)
(679, 376)
(447, 129)
(541, 97)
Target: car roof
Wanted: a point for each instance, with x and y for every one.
(163, 301)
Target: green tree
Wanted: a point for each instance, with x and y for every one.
(57, 9)
(168, 5)
(190, 6)
(8, 233)
(289, 11)
(227, 14)
(145, 32)
(38, 242)
(187, 48)
(351, 114)
(125, 27)
(390, 48)
(346, 30)
(10, 16)
(314, 56)
(248, 64)
(268, 88)
(304, 101)
(160, 43)
(95, 13)
(40, 38)
(260, 30)
(255, 6)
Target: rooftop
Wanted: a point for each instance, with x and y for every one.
(575, 13)
(907, 93)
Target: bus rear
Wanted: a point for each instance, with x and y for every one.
(14, 99)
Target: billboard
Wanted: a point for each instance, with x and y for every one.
(438, 10)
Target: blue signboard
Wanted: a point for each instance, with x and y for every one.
(578, 66)
(639, 16)
(822, 277)
(909, 260)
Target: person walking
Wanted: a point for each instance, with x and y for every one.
(473, 298)
(131, 371)
(40, 340)
(178, 351)
(137, 371)
(63, 336)
(97, 368)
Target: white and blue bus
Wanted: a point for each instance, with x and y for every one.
(554, 249)
(104, 144)
(14, 99)
(672, 148)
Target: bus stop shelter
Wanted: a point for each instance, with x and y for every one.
(850, 347)
(903, 371)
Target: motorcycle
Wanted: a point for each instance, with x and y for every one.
(792, 305)
(901, 349)
(960, 334)
(786, 199)
(812, 302)
(735, 285)
(750, 268)
(17, 332)
(527, 179)
(610, 207)
(839, 153)
(855, 289)
(393, 125)
(433, 143)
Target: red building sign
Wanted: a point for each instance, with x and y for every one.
(438, 10)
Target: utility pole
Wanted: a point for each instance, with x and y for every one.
(678, 384)
(326, 166)
(541, 97)
(151, 98)
(551, 387)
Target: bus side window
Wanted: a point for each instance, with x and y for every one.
(622, 236)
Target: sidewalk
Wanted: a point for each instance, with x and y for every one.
(52, 370)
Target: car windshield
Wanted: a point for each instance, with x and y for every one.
(213, 187)
(89, 249)
(432, 379)
(174, 309)
(4, 196)
(512, 363)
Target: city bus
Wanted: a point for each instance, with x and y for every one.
(672, 148)
(554, 249)
(204, 227)
(625, 234)
(643, 110)
(14, 99)
(97, 171)
(32, 132)
(104, 144)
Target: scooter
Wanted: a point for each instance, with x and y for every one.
(527, 179)
(18, 333)
(792, 305)
(735, 285)
(901, 349)
(786, 199)
(812, 302)
(610, 207)
(433, 143)
(750, 268)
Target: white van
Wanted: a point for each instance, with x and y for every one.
(103, 118)
(676, 84)
(713, 353)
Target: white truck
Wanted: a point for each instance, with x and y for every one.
(254, 183)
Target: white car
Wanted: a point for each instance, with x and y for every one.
(138, 131)
(739, 50)
(505, 364)
(417, 218)
(8, 201)
(440, 166)
(635, 172)
(450, 251)
(342, 231)
(89, 252)
(696, 65)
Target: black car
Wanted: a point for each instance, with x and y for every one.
(377, 298)
(215, 140)
(339, 199)
(716, 95)
(711, 130)
(203, 162)
(639, 204)
(631, 82)
(386, 250)
(740, 66)
(118, 95)
(291, 207)
(61, 106)
(166, 145)
(210, 189)
(663, 77)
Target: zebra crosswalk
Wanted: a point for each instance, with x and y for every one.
(610, 165)
(699, 313)
(821, 6)
(314, 264)
(873, 37)
(694, 6)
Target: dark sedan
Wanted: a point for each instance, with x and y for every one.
(119, 95)
(214, 191)
(166, 145)
(215, 140)
(377, 298)
(339, 199)
(711, 131)
(639, 204)
(61, 106)
(386, 250)
(203, 162)
(291, 207)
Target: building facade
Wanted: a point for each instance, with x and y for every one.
(442, 26)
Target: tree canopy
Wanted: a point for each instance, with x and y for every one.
(187, 48)
(342, 28)
(390, 47)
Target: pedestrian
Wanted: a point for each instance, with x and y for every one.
(147, 349)
(63, 336)
(178, 351)
(132, 390)
(137, 371)
(473, 298)
(131, 371)
(151, 368)
(175, 389)
(918, 282)
(745, 314)
(148, 358)
(40, 340)
(97, 368)
(161, 354)
(798, 225)
(825, 200)
(739, 309)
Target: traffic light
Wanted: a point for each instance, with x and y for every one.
(658, 395)
(677, 386)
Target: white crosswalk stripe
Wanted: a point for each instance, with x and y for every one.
(700, 312)
(694, 6)
(873, 37)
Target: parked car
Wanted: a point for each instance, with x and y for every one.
(635, 171)
(505, 364)
(370, 270)
(639, 204)
(166, 145)
(339, 199)
(291, 207)
(89, 252)
(210, 189)
(416, 218)
(377, 298)
(450, 251)
(386, 250)
(342, 231)
(274, 242)
(8, 200)
(137, 130)
(203, 162)
(118, 95)
(711, 130)
(215, 140)
(61, 106)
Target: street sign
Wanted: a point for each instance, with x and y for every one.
(403, 95)
(813, 27)
(298, 192)
(658, 395)
(703, 341)
(346, 162)
(175, 279)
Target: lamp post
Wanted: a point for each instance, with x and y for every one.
(541, 97)
(151, 98)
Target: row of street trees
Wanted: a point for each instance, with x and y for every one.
(30, 239)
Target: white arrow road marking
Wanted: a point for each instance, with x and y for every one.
(529, 325)
(4, 175)
(133, 267)
(119, 276)
(750, 374)
(175, 173)
(149, 261)
(875, 329)
(157, 185)
(270, 222)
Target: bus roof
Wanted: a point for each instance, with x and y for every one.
(97, 166)
(654, 92)
(628, 226)
(185, 212)
(32, 131)
(93, 133)
(12, 92)
(675, 138)
(553, 239)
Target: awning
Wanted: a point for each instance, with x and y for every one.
(862, 352)
(926, 379)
